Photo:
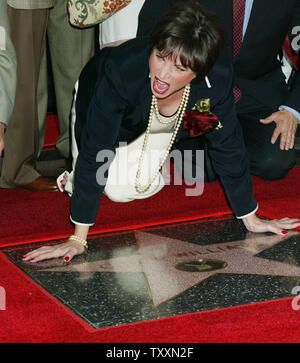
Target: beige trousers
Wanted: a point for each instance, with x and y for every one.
(28, 29)
(70, 49)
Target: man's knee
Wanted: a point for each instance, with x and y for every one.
(273, 166)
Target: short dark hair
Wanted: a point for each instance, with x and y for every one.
(189, 31)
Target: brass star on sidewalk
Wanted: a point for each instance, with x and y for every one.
(173, 266)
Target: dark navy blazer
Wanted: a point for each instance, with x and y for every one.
(113, 105)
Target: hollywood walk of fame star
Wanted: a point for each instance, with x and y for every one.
(173, 266)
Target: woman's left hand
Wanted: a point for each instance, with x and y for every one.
(278, 226)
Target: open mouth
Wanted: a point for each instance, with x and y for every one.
(160, 87)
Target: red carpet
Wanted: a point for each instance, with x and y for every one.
(28, 217)
(34, 316)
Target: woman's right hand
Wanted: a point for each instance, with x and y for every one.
(66, 250)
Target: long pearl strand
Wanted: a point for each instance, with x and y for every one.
(154, 108)
(170, 120)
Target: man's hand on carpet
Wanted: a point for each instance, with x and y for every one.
(66, 250)
(278, 226)
(286, 126)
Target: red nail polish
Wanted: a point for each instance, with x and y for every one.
(67, 259)
(284, 232)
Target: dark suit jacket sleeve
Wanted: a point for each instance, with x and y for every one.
(293, 100)
(150, 13)
(152, 10)
(100, 134)
(228, 152)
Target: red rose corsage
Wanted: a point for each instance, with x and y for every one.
(199, 120)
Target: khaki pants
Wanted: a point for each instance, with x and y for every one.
(28, 28)
(70, 49)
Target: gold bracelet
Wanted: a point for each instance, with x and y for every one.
(80, 240)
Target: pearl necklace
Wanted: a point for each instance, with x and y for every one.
(154, 108)
(171, 119)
